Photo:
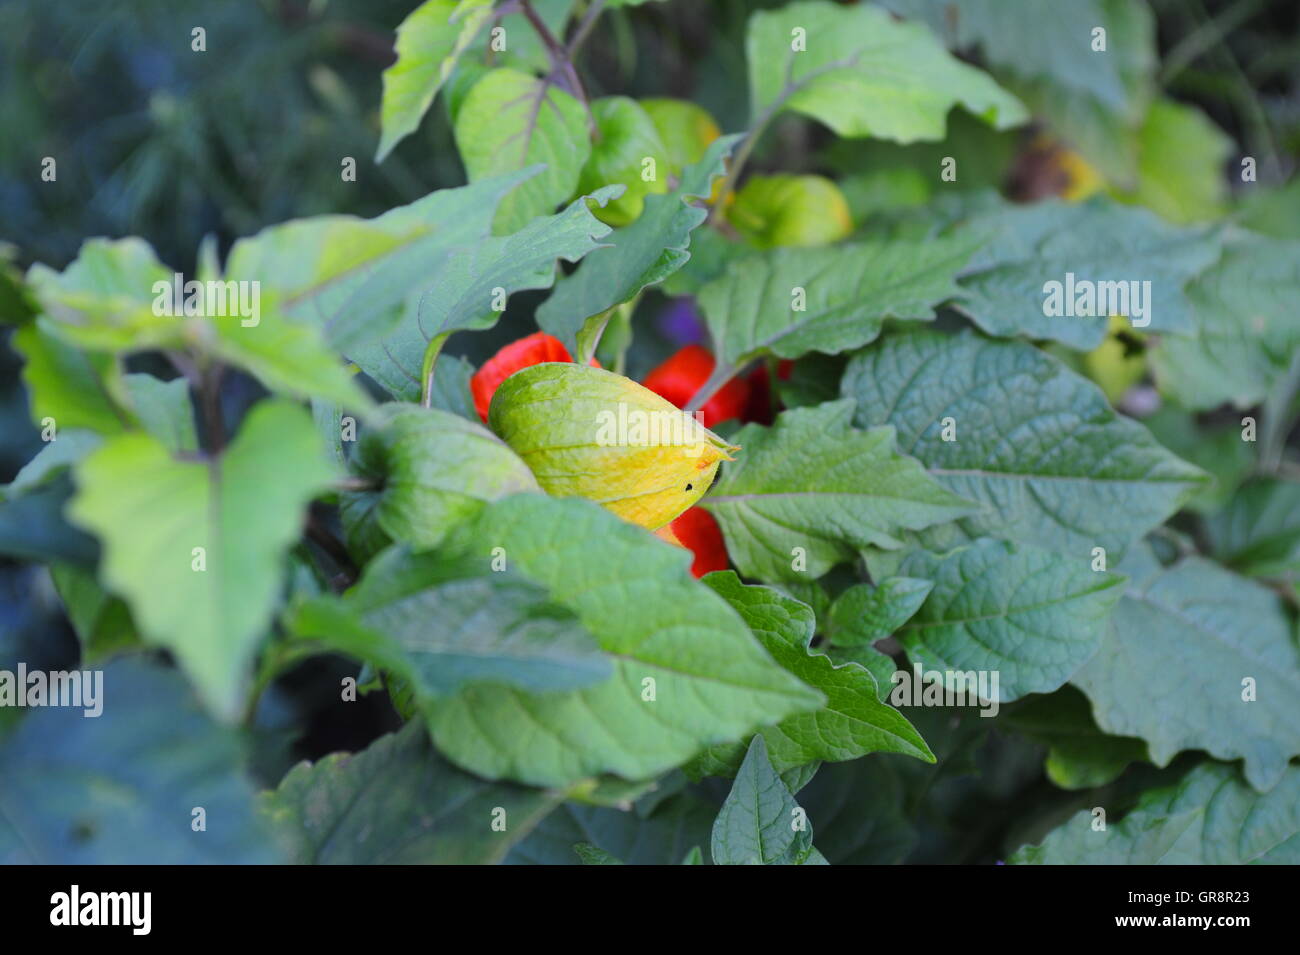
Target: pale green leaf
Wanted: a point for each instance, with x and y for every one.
(788, 302)
(243, 508)
(639, 255)
(432, 470)
(511, 120)
(810, 491)
(429, 41)
(865, 74)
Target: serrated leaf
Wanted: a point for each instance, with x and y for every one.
(440, 626)
(594, 855)
(639, 255)
(511, 120)
(865, 74)
(1243, 333)
(1171, 668)
(1030, 616)
(1024, 248)
(467, 287)
(244, 509)
(432, 470)
(760, 823)
(119, 788)
(853, 722)
(847, 293)
(865, 613)
(398, 802)
(1035, 444)
(103, 301)
(1209, 817)
(712, 682)
(429, 41)
(813, 482)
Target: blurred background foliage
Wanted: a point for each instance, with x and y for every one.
(155, 140)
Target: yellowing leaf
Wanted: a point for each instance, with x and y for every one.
(586, 432)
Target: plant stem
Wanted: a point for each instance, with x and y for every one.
(585, 27)
(788, 91)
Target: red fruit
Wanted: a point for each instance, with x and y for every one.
(698, 532)
(761, 407)
(680, 377)
(531, 350)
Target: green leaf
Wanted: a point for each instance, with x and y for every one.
(440, 626)
(594, 855)
(814, 483)
(1005, 290)
(1181, 154)
(397, 802)
(462, 290)
(102, 621)
(429, 41)
(244, 509)
(637, 256)
(76, 388)
(853, 722)
(32, 527)
(53, 459)
(511, 120)
(792, 301)
(1209, 817)
(860, 812)
(660, 837)
(711, 682)
(1079, 755)
(120, 788)
(165, 410)
(760, 823)
(104, 300)
(1172, 667)
(1030, 616)
(1258, 533)
(288, 357)
(432, 470)
(625, 138)
(864, 613)
(1037, 445)
(1243, 332)
(865, 74)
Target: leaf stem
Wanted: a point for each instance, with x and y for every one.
(764, 119)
